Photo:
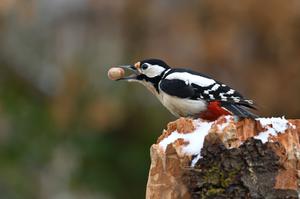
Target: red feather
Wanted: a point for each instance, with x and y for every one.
(214, 111)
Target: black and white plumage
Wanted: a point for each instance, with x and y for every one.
(186, 93)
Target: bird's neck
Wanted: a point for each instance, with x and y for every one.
(151, 87)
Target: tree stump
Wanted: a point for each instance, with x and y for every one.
(226, 159)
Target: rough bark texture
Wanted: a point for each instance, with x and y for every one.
(233, 163)
(248, 171)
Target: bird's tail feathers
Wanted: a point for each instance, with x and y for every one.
(239, 110)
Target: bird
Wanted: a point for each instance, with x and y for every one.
(187, 93)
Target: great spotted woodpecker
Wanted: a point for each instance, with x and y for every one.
(186, 93)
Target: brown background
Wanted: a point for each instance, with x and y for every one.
(68, 131)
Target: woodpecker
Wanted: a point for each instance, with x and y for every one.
(186, 93)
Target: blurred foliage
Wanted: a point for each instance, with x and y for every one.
(66, 131)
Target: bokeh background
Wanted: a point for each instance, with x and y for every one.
(66, 131)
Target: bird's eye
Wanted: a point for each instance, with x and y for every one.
(144, 66)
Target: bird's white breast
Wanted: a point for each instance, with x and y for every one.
(181, 107)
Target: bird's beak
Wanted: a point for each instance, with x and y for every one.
(133, 68)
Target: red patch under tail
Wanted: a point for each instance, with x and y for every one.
(214, 111)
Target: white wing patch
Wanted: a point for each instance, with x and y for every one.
(215, 87)
(195, 79)
(249, 101)
(223, 98)
(230, 92)
(235, 99)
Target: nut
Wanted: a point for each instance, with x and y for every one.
(115, 73)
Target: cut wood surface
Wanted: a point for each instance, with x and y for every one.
(226, 159)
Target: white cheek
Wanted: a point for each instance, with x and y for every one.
(153, 71)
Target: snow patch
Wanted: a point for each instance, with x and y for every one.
(195, 139)
(226, 123)
(195, 160)
(273, 126)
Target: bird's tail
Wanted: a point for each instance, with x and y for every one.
(239, 110)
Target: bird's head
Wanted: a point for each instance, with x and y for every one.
(147, 70)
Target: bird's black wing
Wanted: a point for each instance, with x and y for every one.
(213, 92)
(229, 98)
(217, 91)
(221, 92)
(178, 88)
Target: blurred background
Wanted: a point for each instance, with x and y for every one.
(66, 131)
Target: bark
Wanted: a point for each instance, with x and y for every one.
(234, 162)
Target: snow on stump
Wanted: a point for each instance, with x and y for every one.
(226, 159)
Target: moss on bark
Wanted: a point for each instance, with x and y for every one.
(245, 172)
